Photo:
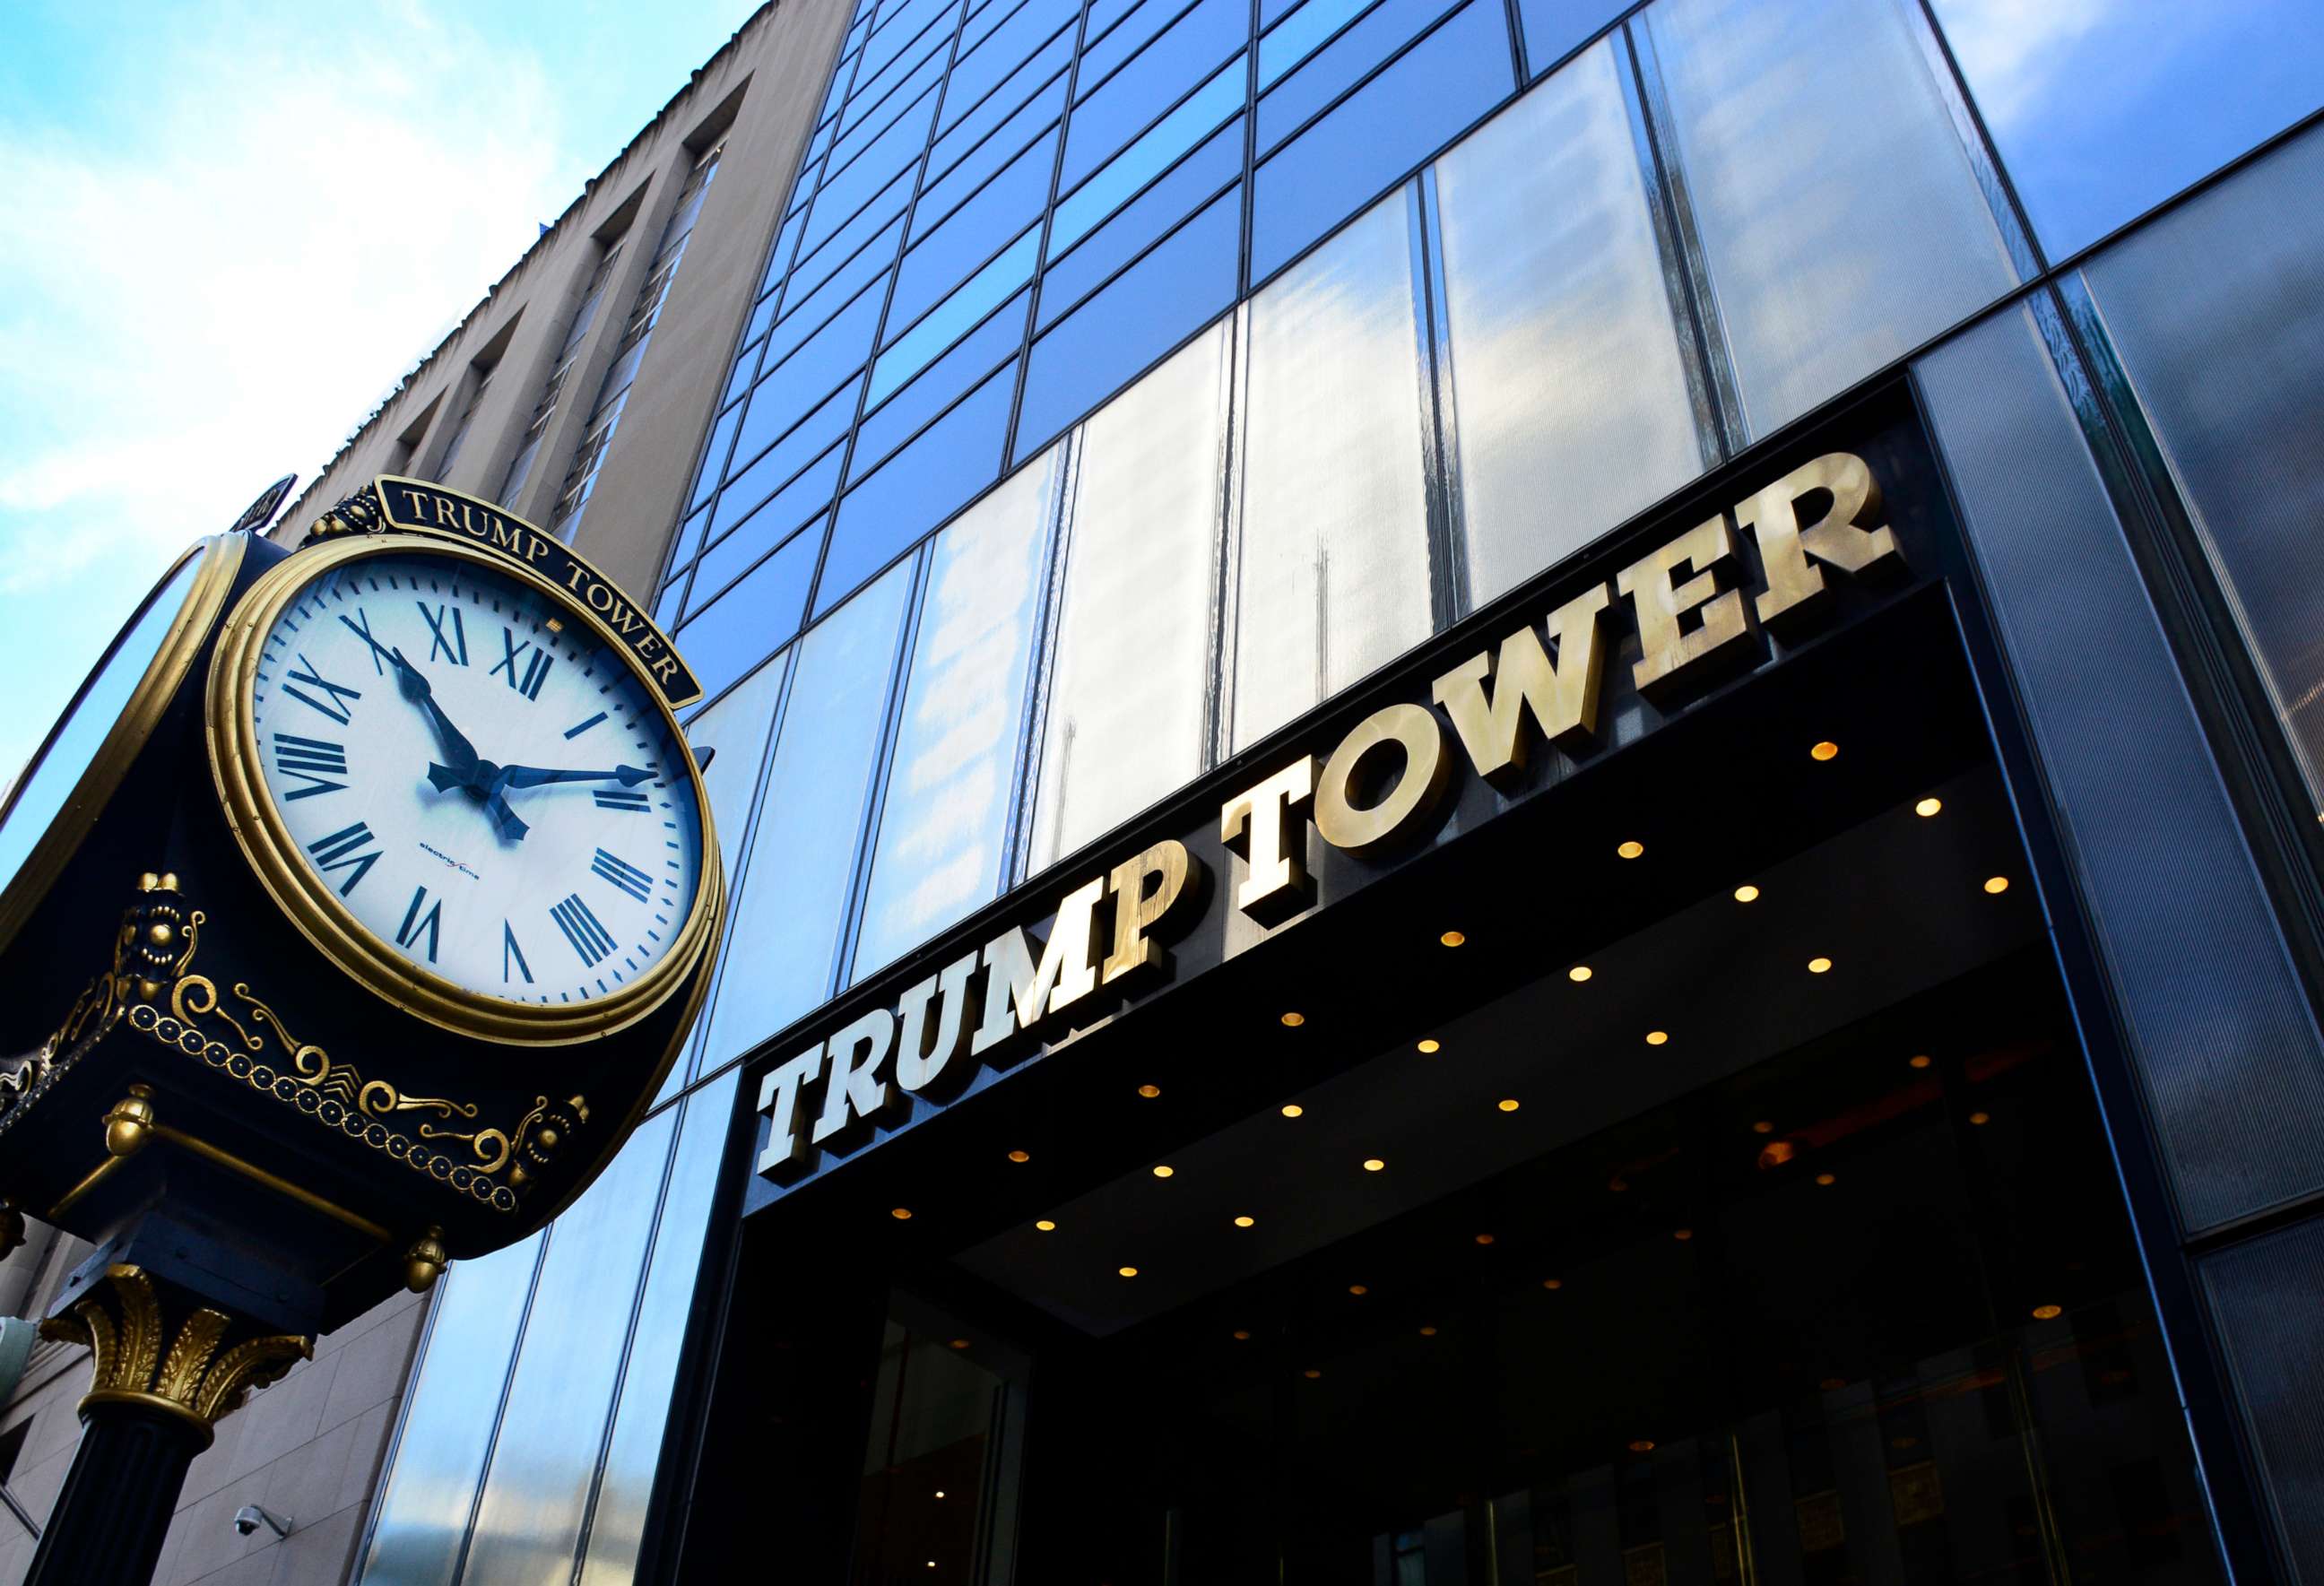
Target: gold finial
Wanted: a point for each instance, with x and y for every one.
(425, 1261)
(130, 1124)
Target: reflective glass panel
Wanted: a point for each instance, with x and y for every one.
(664, 1316)
(785, 510)
(827, 299)
(2217, 312)
(816, 267)
(975, 231)
(973, 357)
(1045, 71)
(917, 58)
(800, 380)
(2102, 112)
(1294, 38)
(1327, 75)
(944, 827)
(529, 1523)
(1105, 250)
(1383, 130)
(1183, 281)
(974, 299)
(892, 150)
(803, 853)
(1129, 679)
(726, 638)
(1186, 54)
(941, 197)
(439, 1456)
(1332, 576)
(951, 460)
(1138, 164)
(979, 72)
(1108, 49)
(736, 728)
(1840, 212)
(1554, 28)
(818, 429)
(1568, 371)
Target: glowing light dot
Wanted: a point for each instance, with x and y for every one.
(1020, 1155)
(1928, 807)
(1980, 1118)
(1373, 1165)
(1484, 1239)
(959, 1343)
(1292, 1110)
(1507, 1103)
(1763, 1127)
(1819, 965)
(1682, 1234)
(1552, 1283)
(1246, 1222)
(1632, 850)
(1642, 1445)
(1578, 972)
(1358, 1289)
(1045, 1226)
(1997, 884)
(1242, 1334)
(1162, 1170)
(1294, 1020)
(1149, 1092)
(1452, 938)
(2048, 1312)
(1655, 1037)
(1825, 1178)
(1745, 893)
(1429, 1044)
(1311, 1373)
(1127, 1271)
(1826, 750)
(901, 1213)
(1428, 1331)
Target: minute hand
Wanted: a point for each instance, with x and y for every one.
(533, 776)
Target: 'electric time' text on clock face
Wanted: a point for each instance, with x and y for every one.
(486, 786)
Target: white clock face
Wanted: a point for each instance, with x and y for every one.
(490, 790)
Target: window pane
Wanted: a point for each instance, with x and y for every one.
(942, 381)
(1140, 162)
(818, 429)
(1184, 282)
(944, 826)
(664, 1314)
(2218, 314)
(2102, 112)
(529, 1525)
(816, 268)
(727, 638)
(911, 51)
(1107, 51)
(714, 456)
(848, 279)
(737, 727)
(1384, 30)
(807, 375)
(1554, 28)
(802, 860)
(424, 1503)
(785, 510)
(941, 197)
(1565, 355)
(1843, 221)
(891, 151)
(952, 460)
(1182, 56)
(970, 237)
(976, 73)
(1129, 681)
(1333, 574)
(1386, 127)
(1045, 71)
(955, 314)
(1295, 37)
(1194, 179)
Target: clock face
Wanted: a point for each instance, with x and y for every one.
(486, 786)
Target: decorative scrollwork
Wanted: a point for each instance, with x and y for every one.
(359, 513)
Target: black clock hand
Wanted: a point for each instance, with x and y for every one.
(417, 689)
(532, 776)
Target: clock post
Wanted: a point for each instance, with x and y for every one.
(334, 956)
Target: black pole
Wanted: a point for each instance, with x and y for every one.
(114, 1512)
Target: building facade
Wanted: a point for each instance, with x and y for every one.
(1515, 792)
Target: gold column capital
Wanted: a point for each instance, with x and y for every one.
(149, 1350)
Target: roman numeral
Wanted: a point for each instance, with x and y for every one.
(415, 922)
(360, 626)
(332, 692)
(593, 720)
(509, 952)
(591, 940)
(454, 647)
(342, 851)
(312, 760)
(624, 798)
(536, 669)
(628, 877)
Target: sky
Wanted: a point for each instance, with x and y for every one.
(231, 228)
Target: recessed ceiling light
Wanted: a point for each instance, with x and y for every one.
(1293, 1109)
(1358, 1289)
(1642, 1445)
(1818, 965)
(1746, 892)
(1162, 1170)
(1294, 1020)
(1552, 1283)
(1426, 1331)
(1507, 1103)
(1775, 1153)
(2048, 1312)
(1918, 1060)
(1429, 1044)
(959, 1343)
(1373, 1165)
(1020, 1155)
(1997, 884)
(1825, 749)
(1763, 1127)
(1655, 1037)
(1127, 1271)
(1149, 1092)
(901, 1213)
(1632, 850)
(1242, 1333)
(1980, 1118)
(1928, 807)
(939, 1492)
(1682, 1234)
(1311, 1373)
(1045, 1226)
(1484, 1239)
(1578, 973)
(1824, 1179)
(1452, 938)
(1246, 1222)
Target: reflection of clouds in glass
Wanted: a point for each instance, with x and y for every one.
(1129, 682)
(1333, 573)
(1572, 397)
(737, 727)
(2013, 51)
(1841, 218)
(943, 826)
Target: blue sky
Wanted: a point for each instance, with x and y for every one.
(200, 289)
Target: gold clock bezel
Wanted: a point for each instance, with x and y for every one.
(221, 559)
(319, 912)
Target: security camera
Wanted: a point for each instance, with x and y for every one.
(249, 1518)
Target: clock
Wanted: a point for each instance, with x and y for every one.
(463, 790)
(59, 795)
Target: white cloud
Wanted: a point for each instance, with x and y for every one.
(219, 297)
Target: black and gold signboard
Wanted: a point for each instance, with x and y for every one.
(350, 918)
